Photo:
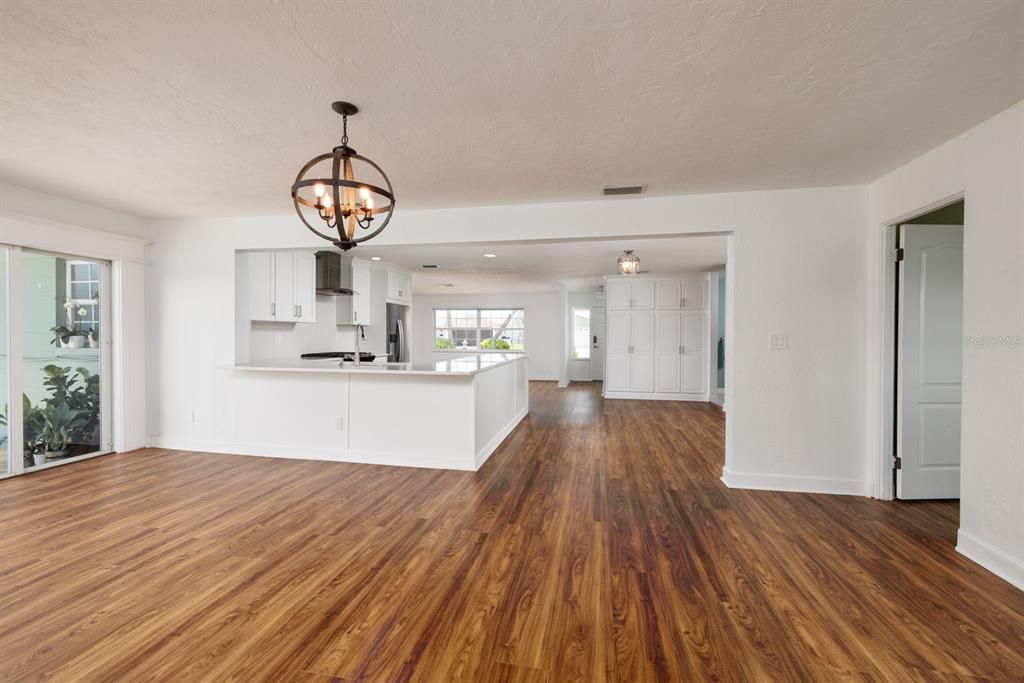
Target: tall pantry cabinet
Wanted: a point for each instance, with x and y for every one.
(656, 337)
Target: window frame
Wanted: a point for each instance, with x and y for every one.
(92, 323)
(478, 328)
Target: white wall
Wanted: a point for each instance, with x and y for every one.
(542, 320)
(987, 164)
(796, 417)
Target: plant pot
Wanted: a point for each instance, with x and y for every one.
(76, 341)
(39, 459)
(50, 456)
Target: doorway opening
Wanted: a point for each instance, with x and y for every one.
(926, 353)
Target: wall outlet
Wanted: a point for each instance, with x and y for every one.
(340, 424)
(278, 338)
(778, 341)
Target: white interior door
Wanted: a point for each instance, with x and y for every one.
(597, 343)
(929, 368)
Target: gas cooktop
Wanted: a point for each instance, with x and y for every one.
(339, 355)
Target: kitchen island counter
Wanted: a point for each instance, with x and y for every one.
(448, 415)
(458, 365)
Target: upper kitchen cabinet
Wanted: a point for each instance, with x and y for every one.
(399, 286)
(626, 293)
(357, 308)
(279, 286)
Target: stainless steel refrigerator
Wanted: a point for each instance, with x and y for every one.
(398, 333)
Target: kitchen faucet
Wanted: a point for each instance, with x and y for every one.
(360, 334)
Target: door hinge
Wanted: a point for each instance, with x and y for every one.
(899, 254)
(897, 463)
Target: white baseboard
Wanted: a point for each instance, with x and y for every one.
(492, 445)
(654, 396)
(793, 483)
(1000, 563)
(542, 378)
(311, 453)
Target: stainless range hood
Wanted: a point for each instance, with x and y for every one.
(330, 274)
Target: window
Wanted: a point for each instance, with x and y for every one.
(581, 333)
(83, 292)
(479, 329)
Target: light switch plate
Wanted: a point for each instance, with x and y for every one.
(778, 341)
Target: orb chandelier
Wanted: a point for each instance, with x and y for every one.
(329, 194)
(629, 263)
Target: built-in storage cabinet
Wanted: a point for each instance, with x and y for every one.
(356, 309)
(680, 352)
(656, 337)
(399, 286)
(676, 293)
(629, 294)
(281, 286)
(629, 351)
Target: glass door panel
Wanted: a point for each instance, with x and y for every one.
(63, 364)
(6, 467)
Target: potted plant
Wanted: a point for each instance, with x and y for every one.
(32, 427)
(70, 334)
(59, 422)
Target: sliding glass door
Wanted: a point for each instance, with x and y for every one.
(5, 363)
(55, 320)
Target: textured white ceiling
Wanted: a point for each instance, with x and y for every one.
(544, 266)
(209, 108)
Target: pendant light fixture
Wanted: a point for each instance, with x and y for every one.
(629, 263)
(330, 195)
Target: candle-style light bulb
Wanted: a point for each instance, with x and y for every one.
(318, 189)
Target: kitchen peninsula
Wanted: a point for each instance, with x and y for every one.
(451, 414)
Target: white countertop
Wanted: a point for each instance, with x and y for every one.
(461, 365)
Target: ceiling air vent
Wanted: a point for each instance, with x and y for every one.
(428, 265)
(624, 190)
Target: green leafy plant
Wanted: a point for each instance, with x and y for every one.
(444, 343)
(80, 392)
(32, 428)
(495, 344)
(59, 423)
(60, 334)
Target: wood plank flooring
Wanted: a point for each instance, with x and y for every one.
(597, 544)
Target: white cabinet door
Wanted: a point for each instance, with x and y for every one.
(694, 358)
(694, 294)
(303, 286)
(399, 286)
(259, 281)
(668, 348)
(284, 287)
(670, 294)
(641, 358)
(361, 299)
(617, 295)
(616, 360)
(642, 294)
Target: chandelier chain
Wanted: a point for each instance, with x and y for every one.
(344, 130)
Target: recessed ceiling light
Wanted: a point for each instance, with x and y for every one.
(375, 258)
(490, 256)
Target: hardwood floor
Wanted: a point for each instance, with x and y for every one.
(596, 544)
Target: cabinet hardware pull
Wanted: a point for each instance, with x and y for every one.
(273, 309)
(300, 311)
(355, 315)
